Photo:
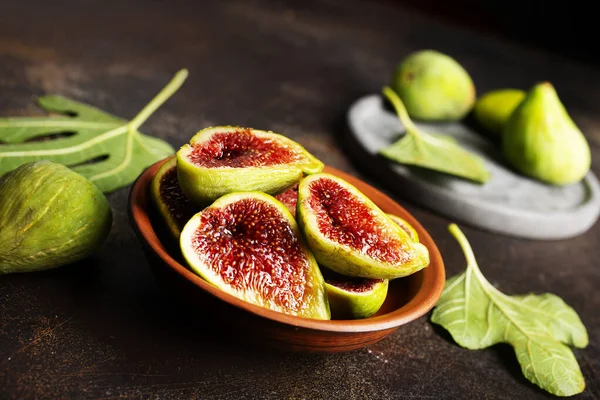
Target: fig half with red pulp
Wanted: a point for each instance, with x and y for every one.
(289, 198)
(350, 235)
(249, 245)
(354, 298)
(226, 159)
(174, 207)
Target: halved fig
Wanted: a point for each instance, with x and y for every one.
(249, 245)
(354, 298)
(173, 205)
(289, 198)
(406, 226)
(350, 235)
(225, 159)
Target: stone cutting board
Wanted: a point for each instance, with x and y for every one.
(508, 203)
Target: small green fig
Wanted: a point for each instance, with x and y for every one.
(434, 86)
(51, 216)
(541, 140)
(493, 109)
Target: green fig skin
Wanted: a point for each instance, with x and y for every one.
(434, 86)
(541, 140)
(414, 235)
(352, 305)
(204, 185)
(493, 109)
(51, 216)
(349, 261)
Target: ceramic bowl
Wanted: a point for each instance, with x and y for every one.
(408, 298)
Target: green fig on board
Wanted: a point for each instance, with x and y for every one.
(541, 140)
(493, 109)
(51, 216)
(434, 86)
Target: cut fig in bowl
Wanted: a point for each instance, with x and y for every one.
(289, 198)
(224, 159)
(354, 298)
(408, 298)
(172, 204)
(248, 245)
(351, 235)
(412, 232)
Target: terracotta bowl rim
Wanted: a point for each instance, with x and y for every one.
(424, 300)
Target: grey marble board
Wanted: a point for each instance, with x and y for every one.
(508, 203)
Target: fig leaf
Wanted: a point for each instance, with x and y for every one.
(107, 150)
(436, 152)
(538, 327)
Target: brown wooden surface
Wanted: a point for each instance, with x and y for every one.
(105, 329)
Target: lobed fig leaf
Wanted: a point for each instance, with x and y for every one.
(107, 150)
(538, 327)
(434, 152)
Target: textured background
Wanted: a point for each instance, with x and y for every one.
(104, 329)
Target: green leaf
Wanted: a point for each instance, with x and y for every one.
(108, 150)
(478, 315)
(432, 151)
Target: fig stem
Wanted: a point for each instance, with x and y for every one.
(401, 111)
(464, 245)
(158, 100)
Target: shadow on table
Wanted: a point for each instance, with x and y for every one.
(127, 311)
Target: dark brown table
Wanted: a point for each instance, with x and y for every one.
(104, 328)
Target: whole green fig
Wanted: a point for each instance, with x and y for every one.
(50, 216)
(541, 140)
(493, 109)
(434, 86)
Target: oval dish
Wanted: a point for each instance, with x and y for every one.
(408, 298)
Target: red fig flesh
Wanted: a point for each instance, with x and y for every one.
(289, 198)
(228, 159)
(350, 235)
(248, 245)
(174, 206)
